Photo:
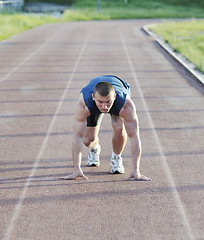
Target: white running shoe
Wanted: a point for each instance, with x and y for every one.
(117, 165)
(93, 157)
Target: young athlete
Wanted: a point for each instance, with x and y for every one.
(106, 94)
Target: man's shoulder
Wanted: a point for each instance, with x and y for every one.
(128, 103)
(81, 108)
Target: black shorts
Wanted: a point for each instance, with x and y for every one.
(94, 120)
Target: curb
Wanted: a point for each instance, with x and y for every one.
(184, 62)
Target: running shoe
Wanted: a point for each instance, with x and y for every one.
(93, 157)
(117, 165)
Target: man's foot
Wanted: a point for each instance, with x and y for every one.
(93, 157)
(117, 165)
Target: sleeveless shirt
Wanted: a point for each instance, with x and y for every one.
(121, 87)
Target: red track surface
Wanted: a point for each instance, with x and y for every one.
(41, 74)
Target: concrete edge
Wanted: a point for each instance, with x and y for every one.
(184, 62)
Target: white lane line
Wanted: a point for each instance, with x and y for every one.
(29, 57)
(159, 147)
(22, 197)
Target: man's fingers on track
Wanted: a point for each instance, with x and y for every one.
(142, 178)
(128, 178)
(68, 178)
(73, 178)
(84, 177)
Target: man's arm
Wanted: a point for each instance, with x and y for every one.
(79, 129)
(128, 112)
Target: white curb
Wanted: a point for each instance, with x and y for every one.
(188, 65)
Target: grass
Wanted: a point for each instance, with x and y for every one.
(84, 15)
(16, 23)
(87, 10)
(186, 37)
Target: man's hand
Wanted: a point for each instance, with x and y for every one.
(137, 176)
(75, 175)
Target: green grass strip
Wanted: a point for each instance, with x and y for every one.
(186, 37)
(16, 23)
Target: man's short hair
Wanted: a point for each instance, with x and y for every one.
(103, 88)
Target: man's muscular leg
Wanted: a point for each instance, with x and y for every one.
(118, 141)
(91, 137)
(91, 140)
(119, 138)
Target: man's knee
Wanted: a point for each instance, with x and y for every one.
(119, 129)
(88, 140)
(118, 125)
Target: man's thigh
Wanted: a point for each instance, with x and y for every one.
(93, 126)
(117, 121)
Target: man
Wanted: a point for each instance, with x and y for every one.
(106, 94)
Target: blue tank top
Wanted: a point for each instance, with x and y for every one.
(121, 88)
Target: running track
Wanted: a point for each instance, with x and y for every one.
(41, 74)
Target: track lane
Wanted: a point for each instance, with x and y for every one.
(22, 197)
(166, 167)
(111, 206)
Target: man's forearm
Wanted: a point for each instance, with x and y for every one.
(76, 152)
(136, 153)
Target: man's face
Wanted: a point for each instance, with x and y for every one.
(104, 103)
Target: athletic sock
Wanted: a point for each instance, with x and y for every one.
(96, 148)
(114, 156)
